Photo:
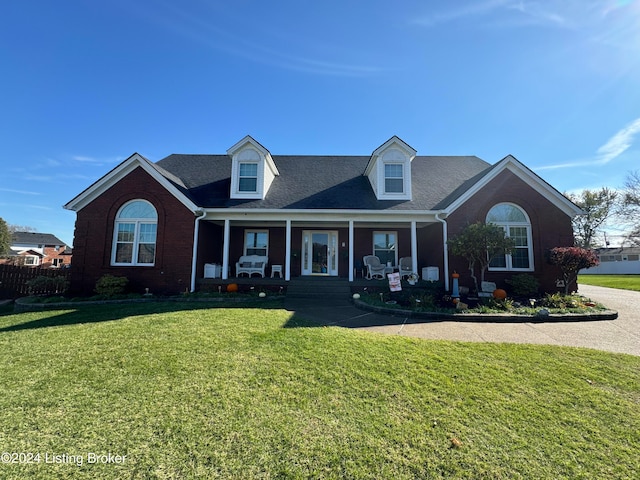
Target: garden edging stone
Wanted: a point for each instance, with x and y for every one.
(489, 317)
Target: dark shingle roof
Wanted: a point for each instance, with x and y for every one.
(323, 182)
(34, 238)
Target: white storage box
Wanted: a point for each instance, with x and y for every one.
(212, 270)
(431, 274)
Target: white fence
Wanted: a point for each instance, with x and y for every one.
(614, 268)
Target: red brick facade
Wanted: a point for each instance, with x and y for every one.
(550, 227)
(171, 272)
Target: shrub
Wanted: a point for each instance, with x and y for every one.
(571, 260)
(524, 285)
(423, 302)
(45, 284)
(111, 285)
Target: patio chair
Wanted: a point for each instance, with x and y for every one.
(405, 267)
(374, 267)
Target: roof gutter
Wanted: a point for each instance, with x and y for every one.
(445, 250)
(196, 236)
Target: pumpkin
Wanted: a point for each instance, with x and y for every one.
(232, 287)
(499, 294)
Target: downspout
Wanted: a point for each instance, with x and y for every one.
(445, 250)
(194, 260)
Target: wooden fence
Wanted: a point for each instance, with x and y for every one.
(13, 280)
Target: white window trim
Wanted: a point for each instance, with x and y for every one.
(36, 260)
(385, 232)
(248, 231)
(136, 237)
(384, 180)
(257, 177)
(506, 227)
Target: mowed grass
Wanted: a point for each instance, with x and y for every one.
(187, 392)
(624, 282)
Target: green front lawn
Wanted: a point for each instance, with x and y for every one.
(624, 282)
(187, 391)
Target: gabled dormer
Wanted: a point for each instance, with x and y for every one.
(252, 169)
(389, 170)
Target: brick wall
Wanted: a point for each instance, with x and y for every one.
(94, 236)
(550, 227)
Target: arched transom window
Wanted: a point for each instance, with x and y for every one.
(134, 236)
(516, 225)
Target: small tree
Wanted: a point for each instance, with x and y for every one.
(598, 207)
(5, 238)
(480, 243)
(571, 260)
(630, 209)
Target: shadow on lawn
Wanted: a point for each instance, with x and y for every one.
(306, 313)
(83, 314)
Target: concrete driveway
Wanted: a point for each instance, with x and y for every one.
(621, 335)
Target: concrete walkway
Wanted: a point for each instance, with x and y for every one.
(621, 335)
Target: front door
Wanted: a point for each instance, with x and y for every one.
(320, 252)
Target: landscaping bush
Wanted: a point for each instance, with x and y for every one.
(44, 284)
(524, 285)
(571, 260)
(423, 302)
(111, 285)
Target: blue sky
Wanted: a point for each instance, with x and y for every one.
(85, 84)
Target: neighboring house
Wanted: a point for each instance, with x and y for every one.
(616, 260)
(158, 224)
(38, 250)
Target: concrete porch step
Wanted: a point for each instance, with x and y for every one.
(318, 287)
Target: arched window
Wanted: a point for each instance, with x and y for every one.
(516, 225)
(134, 234)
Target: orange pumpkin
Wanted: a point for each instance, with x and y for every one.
(232, 287)
(499, 294)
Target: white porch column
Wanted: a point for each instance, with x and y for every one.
(351, 250)
(414, 247)
(445, 251)
(287, 258)
(225, 249)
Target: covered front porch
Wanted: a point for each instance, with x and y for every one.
(325, 243)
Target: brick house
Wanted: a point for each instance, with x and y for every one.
(38, 250)
(160, 223)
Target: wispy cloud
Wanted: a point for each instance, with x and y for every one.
(21, 192)
(291, 54)
(619, 143)
(95, 160)
(474, 9)
(574, 14)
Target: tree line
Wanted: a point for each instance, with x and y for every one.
(608, 205)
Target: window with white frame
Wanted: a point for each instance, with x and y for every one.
(134, 234)
(57, 262)
(385, 247)
(517, 226)
(31, 260)
(248, 177)
(256, 242)
(393, 178)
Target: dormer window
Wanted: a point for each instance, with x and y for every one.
(252, 170)
(248, 177)
(393, 178)
(389, 170)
